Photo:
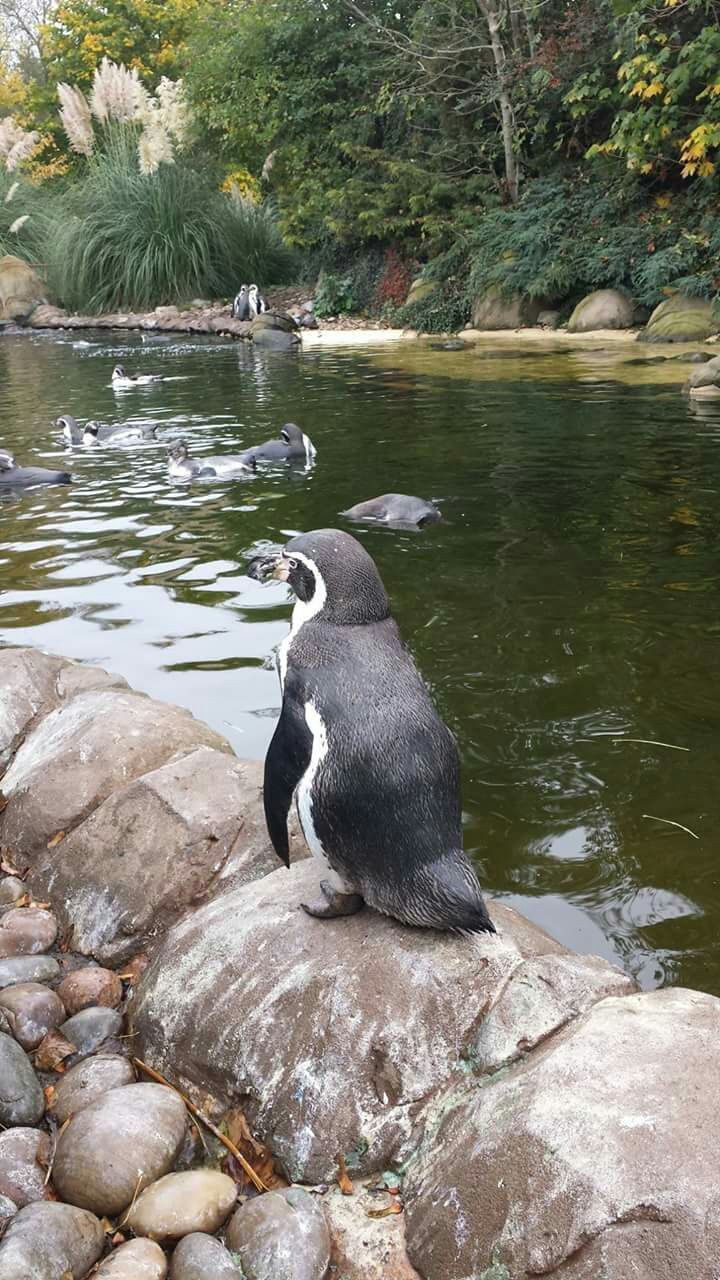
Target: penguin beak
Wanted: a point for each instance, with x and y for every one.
(280, 570)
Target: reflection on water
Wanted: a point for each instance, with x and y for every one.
(564, 613)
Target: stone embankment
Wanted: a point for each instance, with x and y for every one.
(446, 1108)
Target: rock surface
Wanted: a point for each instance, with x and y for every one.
(282, 1233)
(11, 890)
(117, 1145)
(179, 1203)
(595, 1157)
(26, 931)
(681, 319)
(18, 969)
(21, 1096)
(50, 1241)
(31, 1010)
(90, 1028)
(364, 1248)
(92, 986)
(21, 289)
(706, 375)
(24, 1156)
(602, 309)
(492, 311)
(373, 1017)
(202, 1257)
(83, 1083)
(136, 1260)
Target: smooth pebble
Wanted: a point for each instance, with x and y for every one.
(24, 1156)
(26, 931)
(83, 1083)
(50, 1241)
(90, 1028)
(136, 1260)
(202, 1257)
(282, 1233)
(28, 969)
(197, 1200)
(21, 1097)
(88, 987)
(32, 1010)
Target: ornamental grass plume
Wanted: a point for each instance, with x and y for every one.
(117, 93)
(173, 110)
(18, 223)
(76, 119)
(154, 146)
(16, 144)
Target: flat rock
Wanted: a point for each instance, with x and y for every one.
(179, 1203)
(28, 969)
(155, 847)
(592, 1158)
(21, 1097)
(116, 1146)
(135, 1260)
(90, 1028)
(92, 986)
(372, 1017)
(24, 1156)
(364, 1248)
(50, 1241)
(202, 1257)
(26, 931)
(282, 1233)
(83, 1083)
(31, 1010)
(602, 309)
(81, 752)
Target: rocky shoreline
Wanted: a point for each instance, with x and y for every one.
(444, 1107)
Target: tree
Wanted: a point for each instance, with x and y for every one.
(147, 35)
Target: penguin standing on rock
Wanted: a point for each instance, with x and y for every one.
(239, 309)
(374, 770)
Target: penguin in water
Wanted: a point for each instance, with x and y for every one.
(375, 772)
(395, 509)
(73, 433)
(239, 309)
(219, 466)
(13, 476)
(293, 446)
(256, 302)
(121, 378)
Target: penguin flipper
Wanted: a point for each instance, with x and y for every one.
(285, 763)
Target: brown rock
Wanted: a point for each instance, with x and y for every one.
(201, 1257)
(373, 1017)
(591, 1158)
(24, 1157)
(179, 1203)
(32, 1010)
(364, 1248)
(26, 931)
(282, 1233)
(83, 1083)
(136, 1260)
(50, 1241)
(117, 1145)
(91, 986)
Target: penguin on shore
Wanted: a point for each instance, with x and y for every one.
(256, 303)
(240, 309)
(374, 770)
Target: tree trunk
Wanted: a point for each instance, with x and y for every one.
(492, 13)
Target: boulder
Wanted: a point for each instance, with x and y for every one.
(50, 1241)
(153, 848)
(492, 310)
(117, 1145)
(273, 338)
(704, 375)
(364, 1247)
(279, 320)
(593, 1157)
(82, 751)
(372, 1017)
(24, 1156)
(548, 319)
(201, 1257)
(21, 1097)
(681, 319)
(420, 289)
(83, 1083)
(602, 309)
(21, 289)
(31, 1010)
(281, 1234)
(181, 1203)
(136, 1260)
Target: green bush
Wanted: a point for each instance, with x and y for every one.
(124, 240)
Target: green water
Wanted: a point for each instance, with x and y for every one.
(566, 606)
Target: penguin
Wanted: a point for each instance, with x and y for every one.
(256, 302)
(293, 446)
(218, 467)
(122, 379)
(13, 476)
(239, 309)
(73, 433)
(398, 509)
(374, 770)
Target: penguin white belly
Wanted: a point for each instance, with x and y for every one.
(314, 722)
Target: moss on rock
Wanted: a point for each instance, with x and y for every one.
(681, 319)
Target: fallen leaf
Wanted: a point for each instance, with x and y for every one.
(24, 901)
(50, 1096)
(395, 1207)
(44, 1151)
(135, 969)
(8, 867)
(344, 1180)
(59, 835)
(3, 802)
(118, 1238)
(52, 1052)
(43, 906)
(258, 1156)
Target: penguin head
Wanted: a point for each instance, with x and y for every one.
(68, 425)
(291, 433)
(90, 433)
(332, 573)
(7, 462)
(119, 372)
(179, 452)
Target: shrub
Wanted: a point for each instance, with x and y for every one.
(394, 283)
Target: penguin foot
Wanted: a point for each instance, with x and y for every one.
(332, 903)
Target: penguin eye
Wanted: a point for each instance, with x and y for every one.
(293, 563)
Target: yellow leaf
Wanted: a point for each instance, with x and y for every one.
(653, 89)
(638, 89)
(646, 167)
(663, 201)
(706, 168)
(688, 170)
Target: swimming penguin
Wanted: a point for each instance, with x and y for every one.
(73, 433)
(122, 379)
(293, 446)
(239, 309)
(256, 303)
(13, 476)
(375, 772)
(219, 466)
(399, 509)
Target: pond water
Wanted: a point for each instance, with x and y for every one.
(565, 613)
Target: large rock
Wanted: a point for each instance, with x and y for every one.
(154, 848)
(603, 309)
(596, 1157)
(83, 1083)
(491, 310)
(704, 376)
(281, 1234)
(50, 1241)
(21, 289)
(113, 1148)
(681, 319)
(372, 1017)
